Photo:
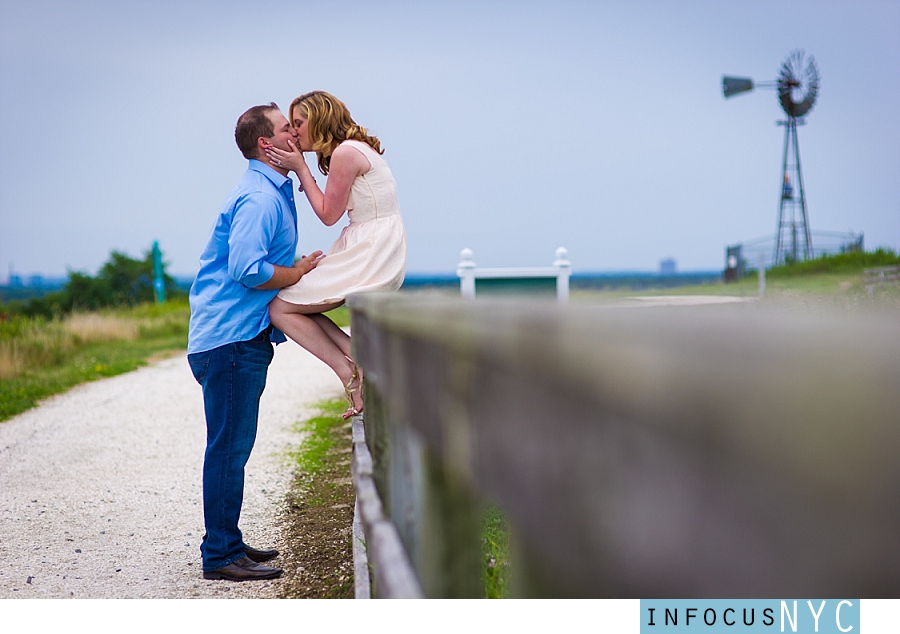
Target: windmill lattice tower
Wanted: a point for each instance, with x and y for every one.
(798, 87)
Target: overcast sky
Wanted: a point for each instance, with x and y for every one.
(512, 128)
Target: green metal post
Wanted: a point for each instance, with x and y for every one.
(159, 284)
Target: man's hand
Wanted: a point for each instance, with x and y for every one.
(290, 275)
(308, 262)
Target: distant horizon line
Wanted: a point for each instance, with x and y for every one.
(29, 279)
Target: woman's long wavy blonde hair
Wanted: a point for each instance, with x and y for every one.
(329, 124)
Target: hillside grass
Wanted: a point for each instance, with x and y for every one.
(852, 263)
(836, 279)
(829, 289)
(42, 357)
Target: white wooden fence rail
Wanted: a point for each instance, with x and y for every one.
(722, 451)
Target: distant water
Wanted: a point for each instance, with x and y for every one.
(619, 280)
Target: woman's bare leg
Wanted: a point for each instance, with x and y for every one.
(309, 334)
(340, 338)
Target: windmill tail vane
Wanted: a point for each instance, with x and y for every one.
(732, 86)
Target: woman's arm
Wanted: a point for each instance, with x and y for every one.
(346, 164)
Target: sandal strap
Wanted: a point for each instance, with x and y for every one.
(348, 391)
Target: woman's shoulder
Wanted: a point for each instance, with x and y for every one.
(360, 145)
(352, 154)
(361, 148)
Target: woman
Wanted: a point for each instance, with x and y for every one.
(370, 253)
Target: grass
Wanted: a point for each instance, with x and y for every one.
(340, 316)
(495, 553)
(40, 358)
(852, 262)
(320, 437)
(837, 278)
(319, 509)
(320, 460)
(835, 287)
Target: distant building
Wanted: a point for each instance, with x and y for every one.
(36, 281)
(667, 267)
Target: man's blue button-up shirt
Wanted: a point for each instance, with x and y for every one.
(256, 229)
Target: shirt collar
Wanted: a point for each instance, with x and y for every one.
(277, 179)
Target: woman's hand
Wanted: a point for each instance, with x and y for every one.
(292, 160)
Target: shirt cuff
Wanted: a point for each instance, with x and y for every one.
(265, 273)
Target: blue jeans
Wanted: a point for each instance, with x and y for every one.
(233, 378)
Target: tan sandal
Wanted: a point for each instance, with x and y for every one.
(348, 393)
(358, 370)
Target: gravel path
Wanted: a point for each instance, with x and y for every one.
(100, 488)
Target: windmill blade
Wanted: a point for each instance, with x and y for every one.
(736, 85)
(798, 84)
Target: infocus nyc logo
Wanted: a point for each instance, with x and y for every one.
(820, 616)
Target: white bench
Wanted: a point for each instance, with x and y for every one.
(515, 279)
(880, 276)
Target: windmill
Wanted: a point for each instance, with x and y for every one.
(798, 87)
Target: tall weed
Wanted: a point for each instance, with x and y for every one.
(40, 357)
(32, 343)
(92, 327)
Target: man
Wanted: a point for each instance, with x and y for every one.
(249, 256)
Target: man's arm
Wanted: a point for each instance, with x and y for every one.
(290, 275)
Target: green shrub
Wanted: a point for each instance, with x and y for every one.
(122, 281)
(852, 262)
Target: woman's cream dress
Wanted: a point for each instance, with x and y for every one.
(370, 253)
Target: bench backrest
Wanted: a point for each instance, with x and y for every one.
(532, 281)
(881, 275)
(884, 273)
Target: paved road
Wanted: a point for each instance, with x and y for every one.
(100, 493)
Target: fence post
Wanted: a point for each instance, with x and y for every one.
(762, 275)
(562, 279)
(466, 272)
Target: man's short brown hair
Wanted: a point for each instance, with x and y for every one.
(250, 126)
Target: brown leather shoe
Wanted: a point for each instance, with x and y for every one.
(244, 569)
(260, 556)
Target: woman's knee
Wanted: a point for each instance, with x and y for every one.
(277, 310)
